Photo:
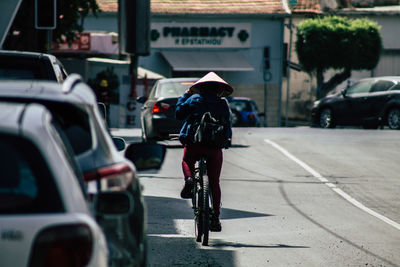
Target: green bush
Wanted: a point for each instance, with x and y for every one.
(338, 42)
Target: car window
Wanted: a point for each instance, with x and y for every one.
(360, 87)
(172, 89)
(15, 74)
(254, 106)
(380, 86)
(26, 183)
(68, 152)
(240, 105)
(75, 124)
(396, 87)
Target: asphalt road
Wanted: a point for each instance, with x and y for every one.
(290, 197)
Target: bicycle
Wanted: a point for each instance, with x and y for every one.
(202, 199)
(202, 202)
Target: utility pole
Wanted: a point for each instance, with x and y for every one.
(288, 72)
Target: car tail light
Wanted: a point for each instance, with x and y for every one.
(251, 117)
(160, 107)
(116, 175)
(65, 245)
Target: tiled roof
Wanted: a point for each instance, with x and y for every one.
(108, 5)
(306, 6)
(206, 6)
(218, 6)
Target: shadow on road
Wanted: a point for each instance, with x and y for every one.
(163, 210)
(181, 251)
(167, 247)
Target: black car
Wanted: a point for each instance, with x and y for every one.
(370, 102)
(18, 65)
(158, 111)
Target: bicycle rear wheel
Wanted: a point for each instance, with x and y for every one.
(205, 218)
(197, 203)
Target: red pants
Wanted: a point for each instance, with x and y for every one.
(191, 153)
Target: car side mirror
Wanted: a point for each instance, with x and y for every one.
(146, 156)
(141, 99)
(113, 204)
(119, 143)
(344, 91)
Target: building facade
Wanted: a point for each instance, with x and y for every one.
(242, 41)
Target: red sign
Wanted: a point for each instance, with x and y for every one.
(82, 43)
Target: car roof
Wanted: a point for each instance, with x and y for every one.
(73, 90)
(188, 79)
(388, 78)
(10, 116)
(233, 98)
(25, 54)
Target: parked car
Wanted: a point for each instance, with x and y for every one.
(44, 216)
(158, 111)
(244, 112)
(370, 102)
(74, 106)
(16, 65)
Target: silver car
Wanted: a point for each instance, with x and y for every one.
(44, 217)
(74, 106)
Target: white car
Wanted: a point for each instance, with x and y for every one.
(44, 217)
(74, 106)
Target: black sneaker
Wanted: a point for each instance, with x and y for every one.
(215, 224)
(187, 190)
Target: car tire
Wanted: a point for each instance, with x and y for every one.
(393, 118)
(326, 118)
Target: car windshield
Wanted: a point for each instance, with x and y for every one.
(26, 183)
(172, 89)
(240, 105)
(15, 68)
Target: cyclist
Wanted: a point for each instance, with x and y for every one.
(204, 96)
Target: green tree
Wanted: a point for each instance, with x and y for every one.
(337, 43)
(70, 17)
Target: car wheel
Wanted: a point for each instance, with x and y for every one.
(393, 118)
(326, 118)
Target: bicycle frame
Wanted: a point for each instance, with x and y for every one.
(202, 201)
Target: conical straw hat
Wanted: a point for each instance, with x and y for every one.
(211, 77)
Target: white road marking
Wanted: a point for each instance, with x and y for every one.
(332, 186)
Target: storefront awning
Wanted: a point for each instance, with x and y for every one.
(207, 61)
